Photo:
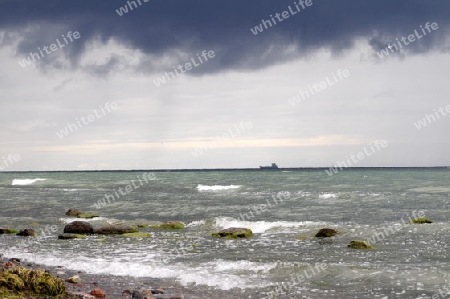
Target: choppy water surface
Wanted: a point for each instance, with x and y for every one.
(282, 260)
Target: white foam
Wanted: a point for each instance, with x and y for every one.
(328, 195)
(72, 219)
(196, 223)
(23, 182)
(216, 187)
(224, 275)
(260, 227)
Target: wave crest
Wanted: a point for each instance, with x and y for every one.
(216, 187)
(24, 182)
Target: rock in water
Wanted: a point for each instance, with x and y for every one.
(137, 235)
(73, 212)
(8, 231)
(360, 244)
(326, 233)
(421, 220)
(87, 215)
(172, 225)
(71, 236)
(234, 233)
(27, 233)
(79, 227)
(116, 230)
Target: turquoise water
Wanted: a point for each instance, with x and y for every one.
(283, 208)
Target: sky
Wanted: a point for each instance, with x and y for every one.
(164, 84)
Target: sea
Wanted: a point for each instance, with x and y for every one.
(284, 208)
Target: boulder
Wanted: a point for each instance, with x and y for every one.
(71, 236)
(234, 233)
(27, 233)
(79, 227)
(8, 231)
(326, 233)
(360, 244)
(116, 230)
(421, 220)
(73, 212)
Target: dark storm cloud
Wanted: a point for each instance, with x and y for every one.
(159, 26)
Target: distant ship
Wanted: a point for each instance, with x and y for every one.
(274, 166)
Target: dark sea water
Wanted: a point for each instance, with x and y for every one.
(282, 260)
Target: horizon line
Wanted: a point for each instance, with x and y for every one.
(232, 169)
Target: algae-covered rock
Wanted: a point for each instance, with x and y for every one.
(77, 213)
(326, 233)
(421, 220)
(142, 225)
(27, 233)
(360, 244)
(234, 233)
(137, 235)
(87, 215)
(170, 225)
(31, 282)
(71, 236)
(8, 231)
(79, 227)
(116, 230)
(11, 282)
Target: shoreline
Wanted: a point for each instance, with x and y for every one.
(112, 285)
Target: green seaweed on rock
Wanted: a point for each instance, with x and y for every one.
(20, 281)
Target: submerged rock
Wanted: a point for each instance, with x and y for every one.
(8, 231)
(87, 215)
(234, 233)
(360, 244)
(137, 235)
(79, 227)
(116, 230)
(170, 225)
(77, 213)
(27, 233)
(71, 236)
(326, 233)
(421, 220)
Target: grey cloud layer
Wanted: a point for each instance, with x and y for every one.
(160, 26)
